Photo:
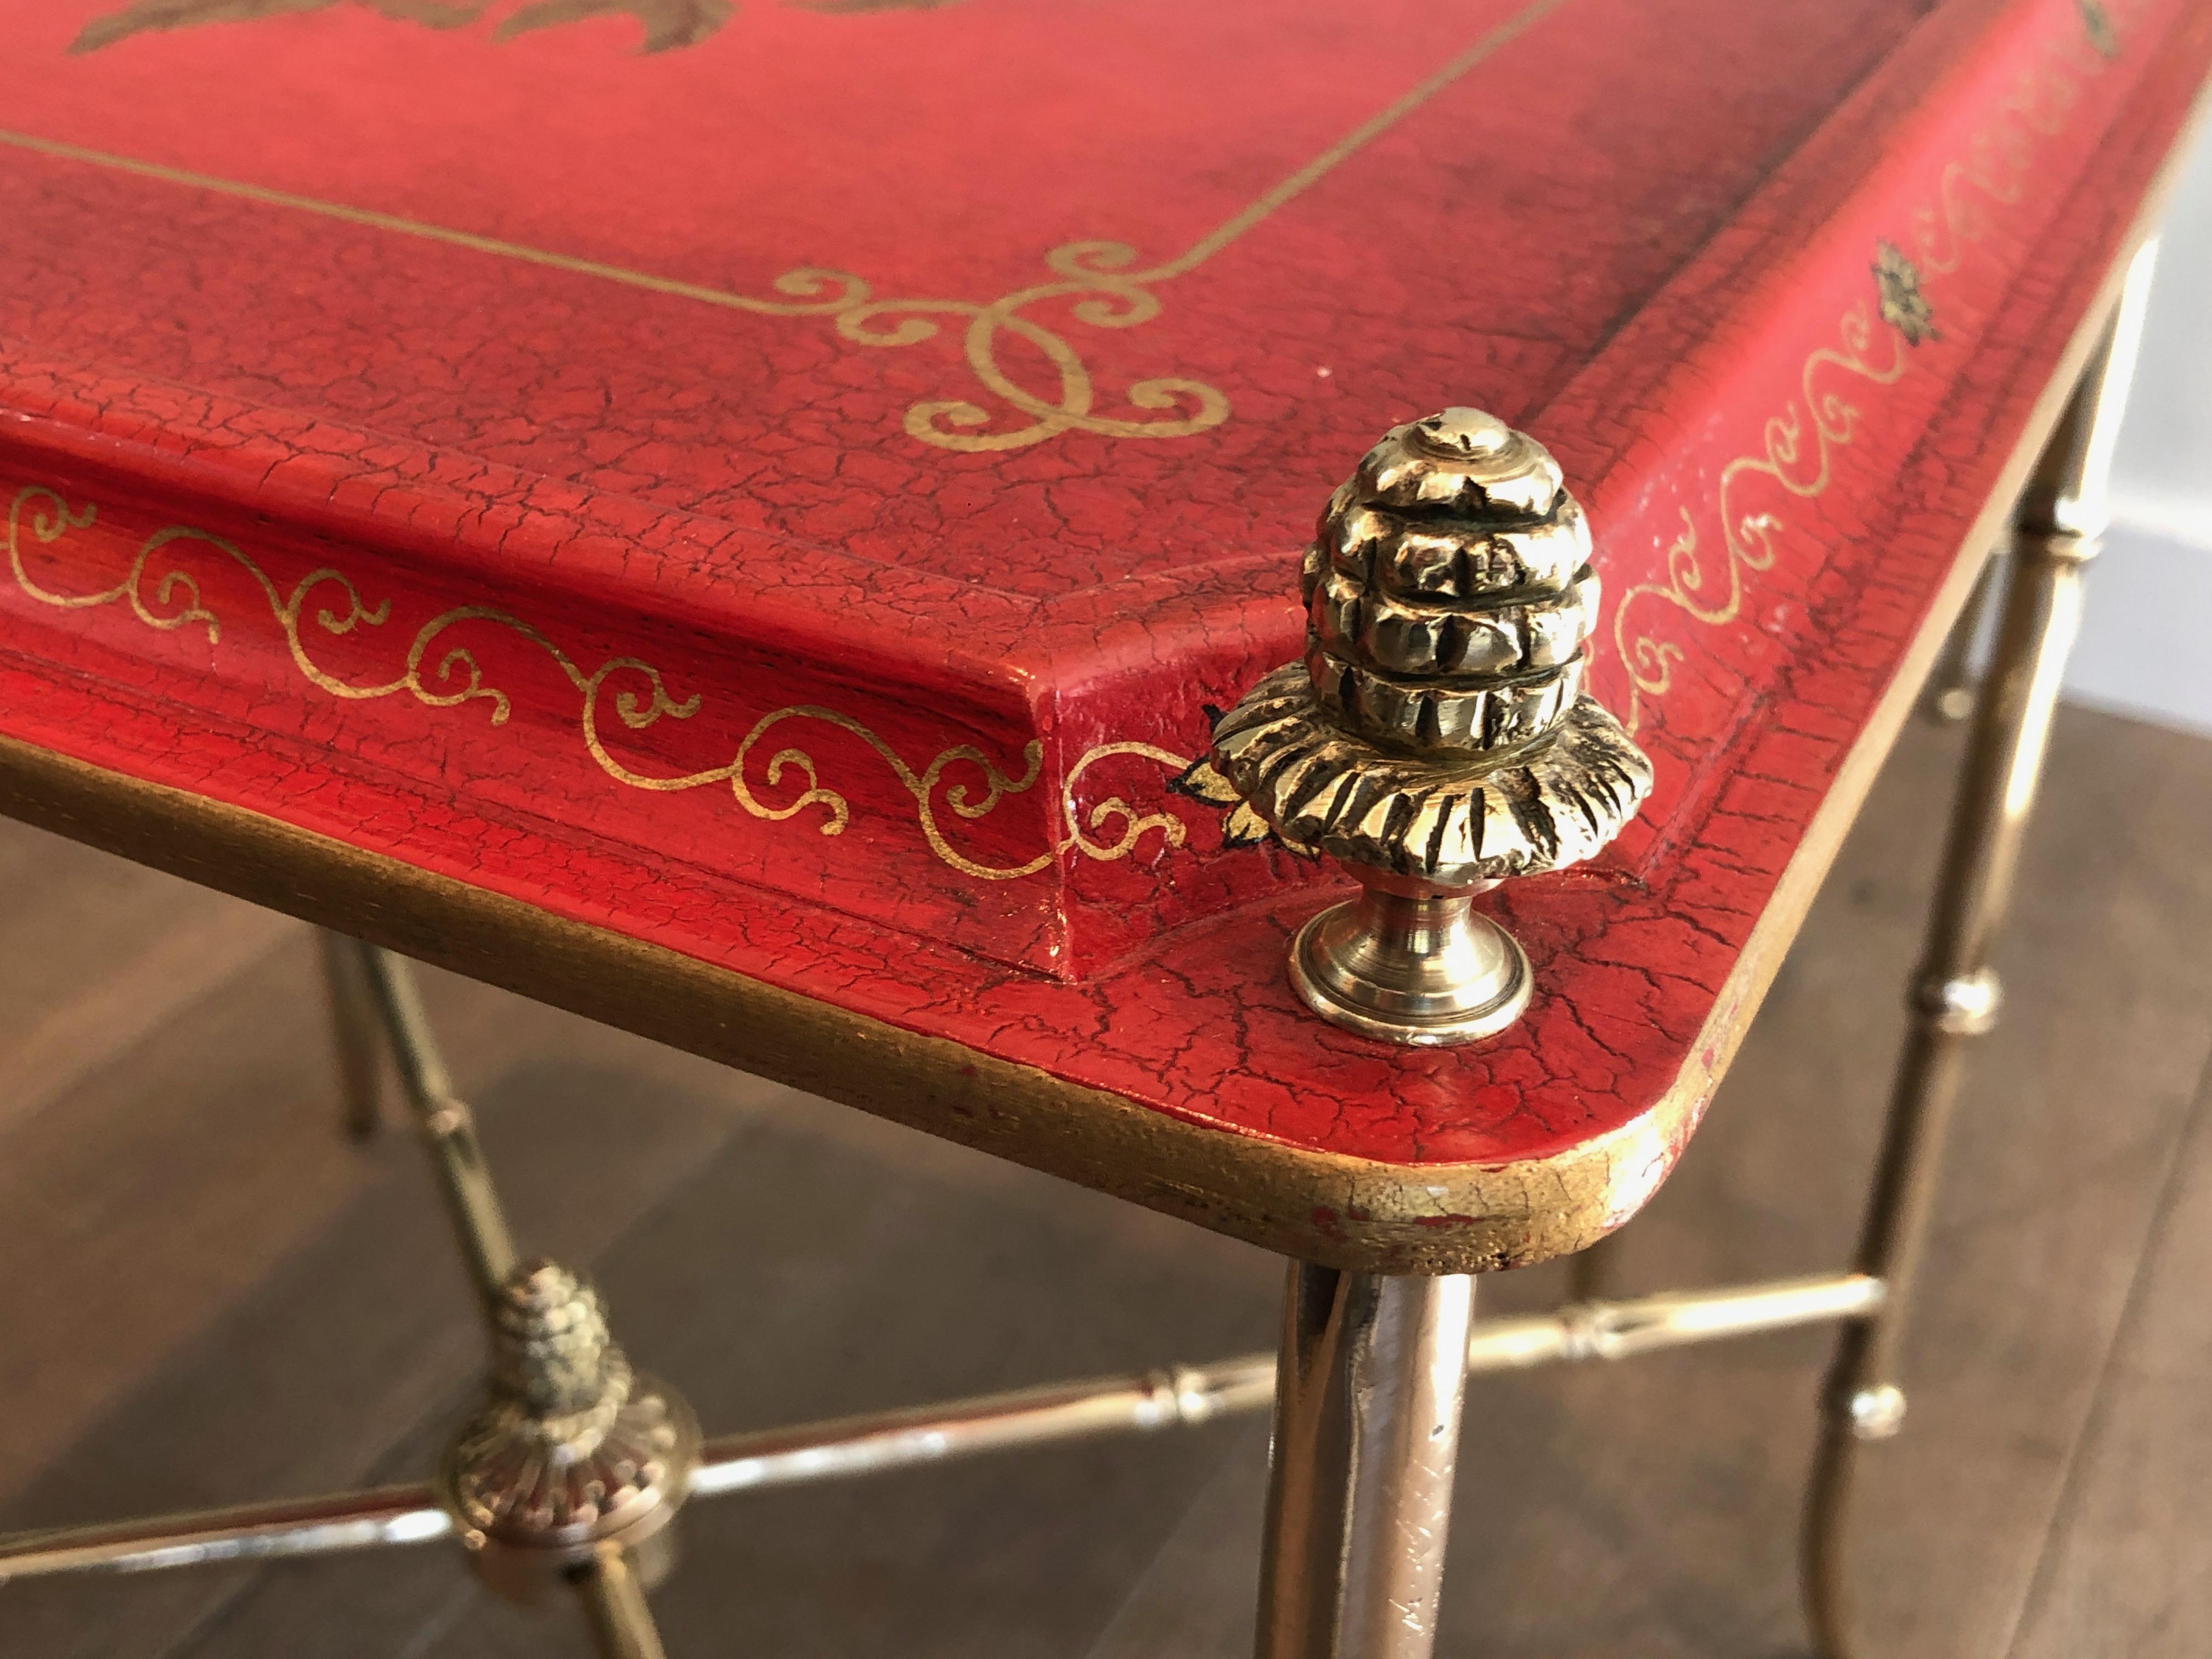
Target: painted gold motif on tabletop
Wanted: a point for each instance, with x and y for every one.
(1903, 307)
(1102, 284)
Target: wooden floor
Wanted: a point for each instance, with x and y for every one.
(208, 1297)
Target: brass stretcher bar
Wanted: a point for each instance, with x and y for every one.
(1180, 1397)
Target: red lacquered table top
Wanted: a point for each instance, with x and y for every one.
(782, 488)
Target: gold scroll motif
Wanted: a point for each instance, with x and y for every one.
(164, 594)
(1748, 536)
(1096, 276)
(1106, 295)
(1710, 590)
(1091, 273)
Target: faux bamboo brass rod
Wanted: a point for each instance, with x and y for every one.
(843, 1448)
(250, 1531)
(852, 1446)
(447, 1126)
(1673, 1319)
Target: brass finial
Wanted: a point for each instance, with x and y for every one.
(1435, 739)
(572, 1453)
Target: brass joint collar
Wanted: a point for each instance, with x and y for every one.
(1961, 1005)
(1873, 1413)
(2069, 547)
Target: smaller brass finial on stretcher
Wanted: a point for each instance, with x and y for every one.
(572, 1454)
(1435, 739)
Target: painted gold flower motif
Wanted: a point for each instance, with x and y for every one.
(2098, 22)
(1240, 825)
(1903, 307)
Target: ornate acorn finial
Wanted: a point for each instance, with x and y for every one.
(1435, 739)
(572, 1452)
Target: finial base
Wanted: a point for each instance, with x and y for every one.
(1411, 963)
(572, 1453)
(1435, 737)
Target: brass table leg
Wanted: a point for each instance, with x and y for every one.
(447, 1127)
(354, 1032)
(1367, 1409)
(1955, 997)
(1949, 698)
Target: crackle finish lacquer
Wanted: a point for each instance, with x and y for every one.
(790, 484)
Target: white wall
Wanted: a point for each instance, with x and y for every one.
(2146, 646)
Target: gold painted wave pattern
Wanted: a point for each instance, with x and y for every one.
(164, 593)
(1999, 157)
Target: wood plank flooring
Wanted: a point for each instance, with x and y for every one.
(210, 1295)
